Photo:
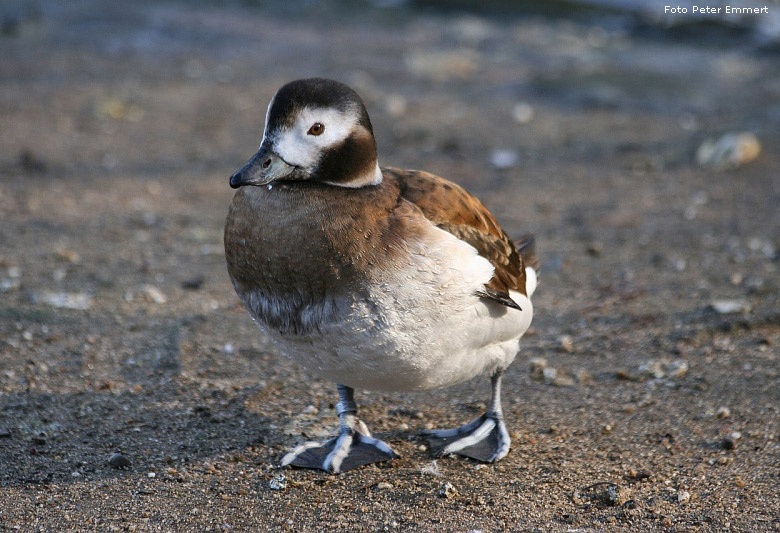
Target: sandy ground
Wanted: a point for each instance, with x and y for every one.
(634, 404)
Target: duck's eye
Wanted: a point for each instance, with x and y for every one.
(316, 129)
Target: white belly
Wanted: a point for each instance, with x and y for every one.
(422, 327)
(417, 351)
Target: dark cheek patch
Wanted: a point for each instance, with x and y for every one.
(353, 158)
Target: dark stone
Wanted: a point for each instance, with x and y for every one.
(118, 460)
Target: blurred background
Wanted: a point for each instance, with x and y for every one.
(639, 146)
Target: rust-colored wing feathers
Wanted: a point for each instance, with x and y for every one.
(453, 209)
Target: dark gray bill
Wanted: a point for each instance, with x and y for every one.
(264, 167)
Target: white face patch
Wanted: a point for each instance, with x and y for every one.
(300, 149)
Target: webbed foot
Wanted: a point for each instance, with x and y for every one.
(353, 447)
(485, 439)
(339, 454)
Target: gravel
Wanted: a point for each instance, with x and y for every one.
(120, 129)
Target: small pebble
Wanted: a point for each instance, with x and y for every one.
(9, 284)
(729, 442)
(64, 300)
(193, 284)
(551, 376)
(384, 485)
(730, 151)
(640, 475)
(614, 495)
(683, 496)
(523, 113)
(154, 294)
(504, 159)
(651, 369)
(677, 368)
(630, 504)
(118, 460)
(566, 343)
(595, 249)
(278, 482)
(727, 307)
(538, 364)
(151, 475)
(447, 490)
(755, 244)
(68, 256)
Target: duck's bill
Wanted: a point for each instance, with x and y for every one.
(264, 167)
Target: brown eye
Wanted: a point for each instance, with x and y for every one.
(316, 129)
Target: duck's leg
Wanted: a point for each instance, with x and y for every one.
(484, 439)
(353, 447)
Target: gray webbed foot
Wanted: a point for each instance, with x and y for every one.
(353, 447)
(339, 454)
(485, 439)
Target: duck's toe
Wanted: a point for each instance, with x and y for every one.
(347, 451)
(485, 439)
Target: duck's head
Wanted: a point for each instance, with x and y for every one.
(315, 130)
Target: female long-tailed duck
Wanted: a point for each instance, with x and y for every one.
(374, 278)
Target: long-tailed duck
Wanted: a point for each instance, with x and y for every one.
(374, 278)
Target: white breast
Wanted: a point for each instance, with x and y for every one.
(422, 327)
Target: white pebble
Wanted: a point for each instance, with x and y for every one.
(278, 482)
(567, 345)
(448, 490)
(726, 307)
(523, 113)
(154, 294)
(504, 159)
(65, 300)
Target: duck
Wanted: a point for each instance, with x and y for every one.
(374, 278)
